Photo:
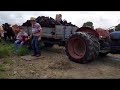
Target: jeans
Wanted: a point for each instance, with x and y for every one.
(36, 45)
(18, 44)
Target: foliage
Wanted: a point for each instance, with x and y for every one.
(23, 51)
(5, 50)
(88, 24)
(117, 28)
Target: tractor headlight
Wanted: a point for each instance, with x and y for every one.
(101, 36)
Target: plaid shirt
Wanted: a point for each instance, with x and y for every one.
(22, 36)
(36, 28)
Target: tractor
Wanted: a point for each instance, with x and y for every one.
(87, 44)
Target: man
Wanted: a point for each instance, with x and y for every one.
(36, 37)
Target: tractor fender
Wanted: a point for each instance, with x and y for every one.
(88, 30)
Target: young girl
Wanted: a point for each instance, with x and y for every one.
(21, 38)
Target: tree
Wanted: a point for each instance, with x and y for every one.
(88, 24)
(111, 30)
(117, 28)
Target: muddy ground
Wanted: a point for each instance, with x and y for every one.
(54, 64)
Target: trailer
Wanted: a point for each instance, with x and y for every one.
(57, 35)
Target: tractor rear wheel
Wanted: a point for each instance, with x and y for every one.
(96, 45)
(82, 48)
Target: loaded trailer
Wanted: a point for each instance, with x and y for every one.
(57, 35)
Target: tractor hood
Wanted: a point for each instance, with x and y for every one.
(115, 35)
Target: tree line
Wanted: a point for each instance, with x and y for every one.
(90, 24)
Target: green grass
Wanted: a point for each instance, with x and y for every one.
(2, 68)
(4, 51)
(8, 49)
(23, 51)
(8, 61)
(3, 73)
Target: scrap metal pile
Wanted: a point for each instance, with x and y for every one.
(48, 22)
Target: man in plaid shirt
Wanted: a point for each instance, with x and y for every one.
(36, 34)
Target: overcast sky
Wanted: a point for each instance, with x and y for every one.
(103, 19)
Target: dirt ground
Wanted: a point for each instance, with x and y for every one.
(54, 64)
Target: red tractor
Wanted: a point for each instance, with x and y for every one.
(86, 44)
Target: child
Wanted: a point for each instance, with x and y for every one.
(21, 38)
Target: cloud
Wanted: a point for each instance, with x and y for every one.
(103, 19)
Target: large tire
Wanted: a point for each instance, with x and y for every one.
(87, 46)
(50, 45)
(96, 45)
(103, 44)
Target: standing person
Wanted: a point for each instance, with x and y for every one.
(36, 37)
(21, 38)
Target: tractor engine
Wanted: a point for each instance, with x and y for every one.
(104, 40)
